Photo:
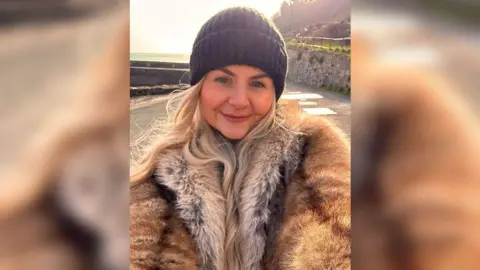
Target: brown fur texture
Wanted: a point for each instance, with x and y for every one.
(160, 237)
(316, 228)
(294, 206)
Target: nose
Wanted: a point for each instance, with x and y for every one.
(239, 97)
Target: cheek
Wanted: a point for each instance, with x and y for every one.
(210, 99)
(262, 103)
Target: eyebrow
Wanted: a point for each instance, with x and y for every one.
(229, 72)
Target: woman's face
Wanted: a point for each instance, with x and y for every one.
(234, 98)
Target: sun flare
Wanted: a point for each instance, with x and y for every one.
(170, 27)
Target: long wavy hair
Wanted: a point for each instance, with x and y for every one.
(202, 144)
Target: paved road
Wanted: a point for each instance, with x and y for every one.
(144, 112)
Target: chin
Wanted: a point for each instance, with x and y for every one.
(233, 135)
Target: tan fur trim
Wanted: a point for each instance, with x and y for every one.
(158, 237)
(316, 228)
(200, 204)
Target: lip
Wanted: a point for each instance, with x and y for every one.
(234, 118)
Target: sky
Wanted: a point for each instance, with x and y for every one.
(170, 26)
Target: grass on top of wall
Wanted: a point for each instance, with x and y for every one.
(330, 48)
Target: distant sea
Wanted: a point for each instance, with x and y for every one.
(160, 57)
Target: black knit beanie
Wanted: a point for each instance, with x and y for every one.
(239, 36)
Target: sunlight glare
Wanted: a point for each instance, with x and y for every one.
(170, 27)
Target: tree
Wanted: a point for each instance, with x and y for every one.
(299, 14)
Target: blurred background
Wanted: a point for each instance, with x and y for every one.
(415, 134)
(443, 35)
(64, 134)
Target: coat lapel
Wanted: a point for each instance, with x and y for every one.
(272, 153)
(201, 205)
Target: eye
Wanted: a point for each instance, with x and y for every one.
(257, 84)
(222, 80)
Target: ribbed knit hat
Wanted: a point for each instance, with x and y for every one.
(239, 36)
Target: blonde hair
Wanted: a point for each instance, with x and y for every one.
(202, 144)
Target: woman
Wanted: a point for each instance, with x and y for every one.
(233, 184)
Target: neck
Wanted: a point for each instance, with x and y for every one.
(233, 142)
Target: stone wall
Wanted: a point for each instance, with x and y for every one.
(143, 73)
(163, 89)
(319, 69)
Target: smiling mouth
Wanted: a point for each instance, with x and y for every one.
(235, 118)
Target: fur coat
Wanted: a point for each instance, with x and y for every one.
(294, 209)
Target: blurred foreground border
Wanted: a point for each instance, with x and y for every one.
(415, 135)
(64, 77)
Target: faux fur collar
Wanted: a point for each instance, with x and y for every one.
(200, 203)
